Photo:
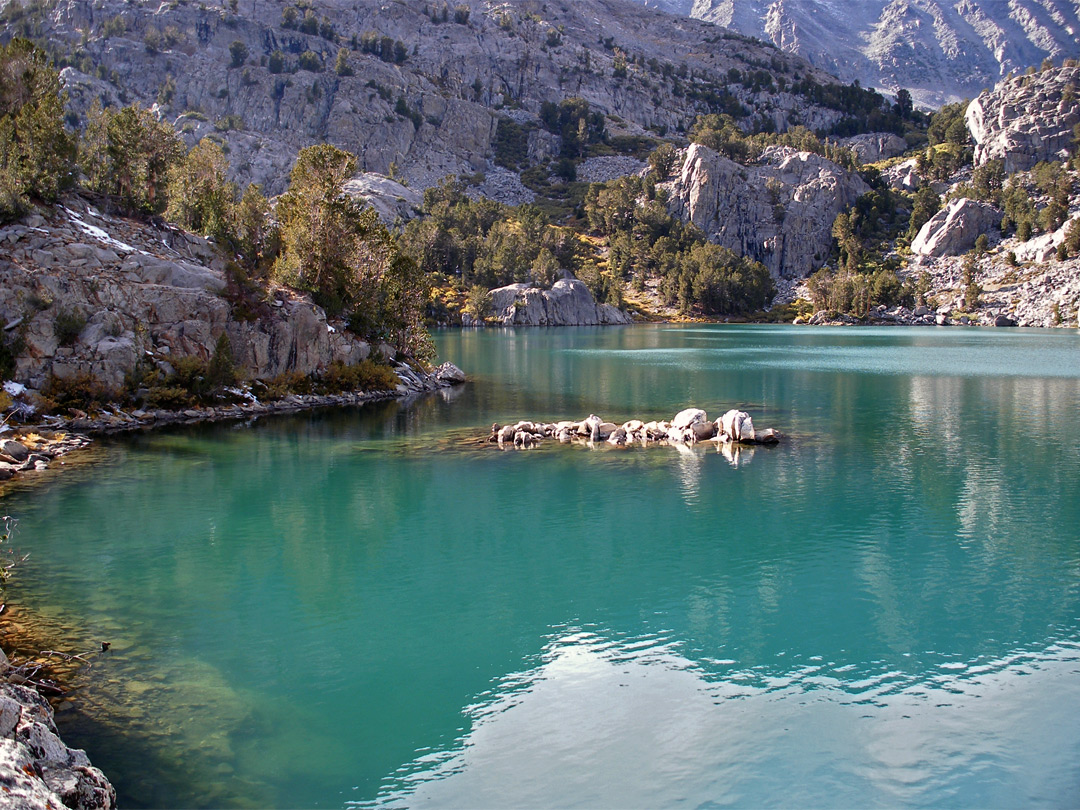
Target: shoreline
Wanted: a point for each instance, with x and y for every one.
(40, 770)
(61, 436)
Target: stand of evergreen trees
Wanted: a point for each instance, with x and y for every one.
(318, 239)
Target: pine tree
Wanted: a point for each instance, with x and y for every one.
(201, 198)
(36, 153)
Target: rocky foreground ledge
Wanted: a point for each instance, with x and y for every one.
(36, 769)
(688, 427)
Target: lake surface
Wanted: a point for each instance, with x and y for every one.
(362, 608)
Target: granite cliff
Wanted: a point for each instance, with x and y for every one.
(779, 212)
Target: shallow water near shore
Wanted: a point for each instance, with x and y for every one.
(367, 608)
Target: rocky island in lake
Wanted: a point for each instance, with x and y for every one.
(687, 427)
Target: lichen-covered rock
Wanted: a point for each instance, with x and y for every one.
(1026, 119)
(954, 229)
(36, 769)
(780, 212)
(567, 303)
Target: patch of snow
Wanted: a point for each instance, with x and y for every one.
(243, 393)
(14, 388)
(98, 233)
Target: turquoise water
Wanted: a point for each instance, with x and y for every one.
(365, 608)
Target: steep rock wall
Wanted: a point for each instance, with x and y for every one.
(779, 212)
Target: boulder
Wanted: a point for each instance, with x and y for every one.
(36, 768)
(567, 303)
(738, 425)
(768, 436)
(874, 146)
(14, 449)
(688, 417)
(954, 229)
(703, 431)
(903, 176)
(391, 200)
(449, 373)
(676, 435)
(1004, 320)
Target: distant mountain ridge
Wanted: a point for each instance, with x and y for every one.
(940, 50)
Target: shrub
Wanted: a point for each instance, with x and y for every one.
(221, 371)
(288, 382)
(238, 54)
(366, 375)
(310, 61)
(67, 326)
(81, 391)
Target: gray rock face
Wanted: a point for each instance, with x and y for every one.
(1026, 119)
(433, 109)
(37, 770)
(780, 212)
(392, 201)
(940, 50)
(954, 229)
(875, 146)
(147, 295)
(567, 303)
(903, 176)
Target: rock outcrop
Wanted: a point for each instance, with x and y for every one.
(94, 294)
(1026, 119)
(779, 212)
(954, 229)
(567, 303)
(392, 201)
(37, 771)
(875, 146)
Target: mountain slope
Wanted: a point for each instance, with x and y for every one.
(939, 50)
(420, 89)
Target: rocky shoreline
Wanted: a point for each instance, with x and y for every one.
(34, 447)
(37, 770)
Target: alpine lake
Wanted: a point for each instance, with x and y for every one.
(375, 608)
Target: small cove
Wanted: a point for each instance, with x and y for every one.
(359, 607)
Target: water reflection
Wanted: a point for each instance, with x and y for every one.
(357, 577)
(603, 722)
